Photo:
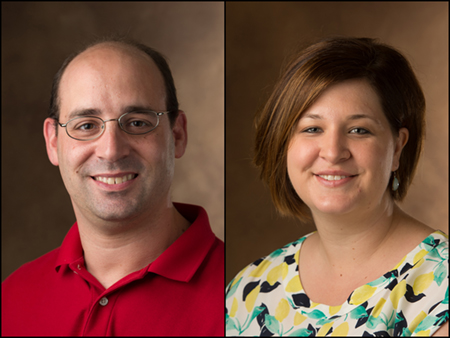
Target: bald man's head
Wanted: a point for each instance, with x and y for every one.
(118, 46)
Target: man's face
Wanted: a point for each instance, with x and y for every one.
(108, 79)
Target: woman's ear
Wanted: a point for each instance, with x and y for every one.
(402, 139)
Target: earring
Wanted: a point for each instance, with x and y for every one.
(395, 182)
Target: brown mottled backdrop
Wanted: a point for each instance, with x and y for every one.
(259, 38)
(36, 37)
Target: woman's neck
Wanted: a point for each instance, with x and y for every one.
(343, 243)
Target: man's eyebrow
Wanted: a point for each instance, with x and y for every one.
(128, 109)
(98, 112)
(84, 112)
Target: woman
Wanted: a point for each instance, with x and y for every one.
(339, 141)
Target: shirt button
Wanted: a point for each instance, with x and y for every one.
(103, 301)
(79, 267)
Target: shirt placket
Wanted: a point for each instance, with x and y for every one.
(100, 311)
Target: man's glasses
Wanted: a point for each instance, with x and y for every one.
(86, 128)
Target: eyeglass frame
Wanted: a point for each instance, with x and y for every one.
(158, 114)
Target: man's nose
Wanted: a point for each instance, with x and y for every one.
(113, 144)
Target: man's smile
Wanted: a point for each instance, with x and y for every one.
(114, 179)
(114, 182)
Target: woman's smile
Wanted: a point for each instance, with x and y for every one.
(331, 181)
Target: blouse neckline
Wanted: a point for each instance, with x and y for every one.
(355, 298)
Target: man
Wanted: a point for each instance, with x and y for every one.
(134, 263)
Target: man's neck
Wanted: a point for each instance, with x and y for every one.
(127, 247)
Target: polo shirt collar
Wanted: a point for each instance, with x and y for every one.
(179, 261)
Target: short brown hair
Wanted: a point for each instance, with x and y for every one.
(328, 62)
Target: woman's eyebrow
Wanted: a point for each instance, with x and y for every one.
(361, 116)
(312, 116)
(351, 117)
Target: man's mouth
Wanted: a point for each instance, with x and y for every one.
(115, 180)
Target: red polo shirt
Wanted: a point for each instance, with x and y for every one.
(180, 294)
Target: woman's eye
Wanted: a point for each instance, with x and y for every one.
(359, 131)
(311, 130)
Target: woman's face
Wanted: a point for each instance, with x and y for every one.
(342, 153)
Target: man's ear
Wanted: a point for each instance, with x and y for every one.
(179, 131)
(51, 140)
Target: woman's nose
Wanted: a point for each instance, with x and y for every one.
(334, 147)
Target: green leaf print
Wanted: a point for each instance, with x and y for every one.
(276, 253)
(231, 323)
(272, 324)
(256, 311)
(233, 289)
(440, 274)
(425, 324)
(315, 314)
(301, 333)
(359, 312)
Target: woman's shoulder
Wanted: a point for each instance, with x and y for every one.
(254, 271)
(431, 255)
(421, 283)
(411, 235)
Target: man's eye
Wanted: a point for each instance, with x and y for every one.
(137, 123)
(86, 126)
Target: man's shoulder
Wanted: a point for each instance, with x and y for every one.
(215, 258)
(219, 245)
(36, 268)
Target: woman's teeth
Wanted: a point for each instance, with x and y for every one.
(333, 177)
(115, 180)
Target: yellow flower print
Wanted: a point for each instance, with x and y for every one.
(251, 298)
(341, 330)
(296, 257)
(400, 263)
(234, 307)
(423, 282)
(277, 272)
(377, 309)
(418, 257)
(324, 329)
(299, 318)
(334, 309)
(398, 293)
(282, 310)
(260, 269)
(419, 318)
(294, 285)
(361, 294)
(236, 279)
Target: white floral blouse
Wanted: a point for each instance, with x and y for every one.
(267, 298)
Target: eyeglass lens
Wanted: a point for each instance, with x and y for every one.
(89, 127)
